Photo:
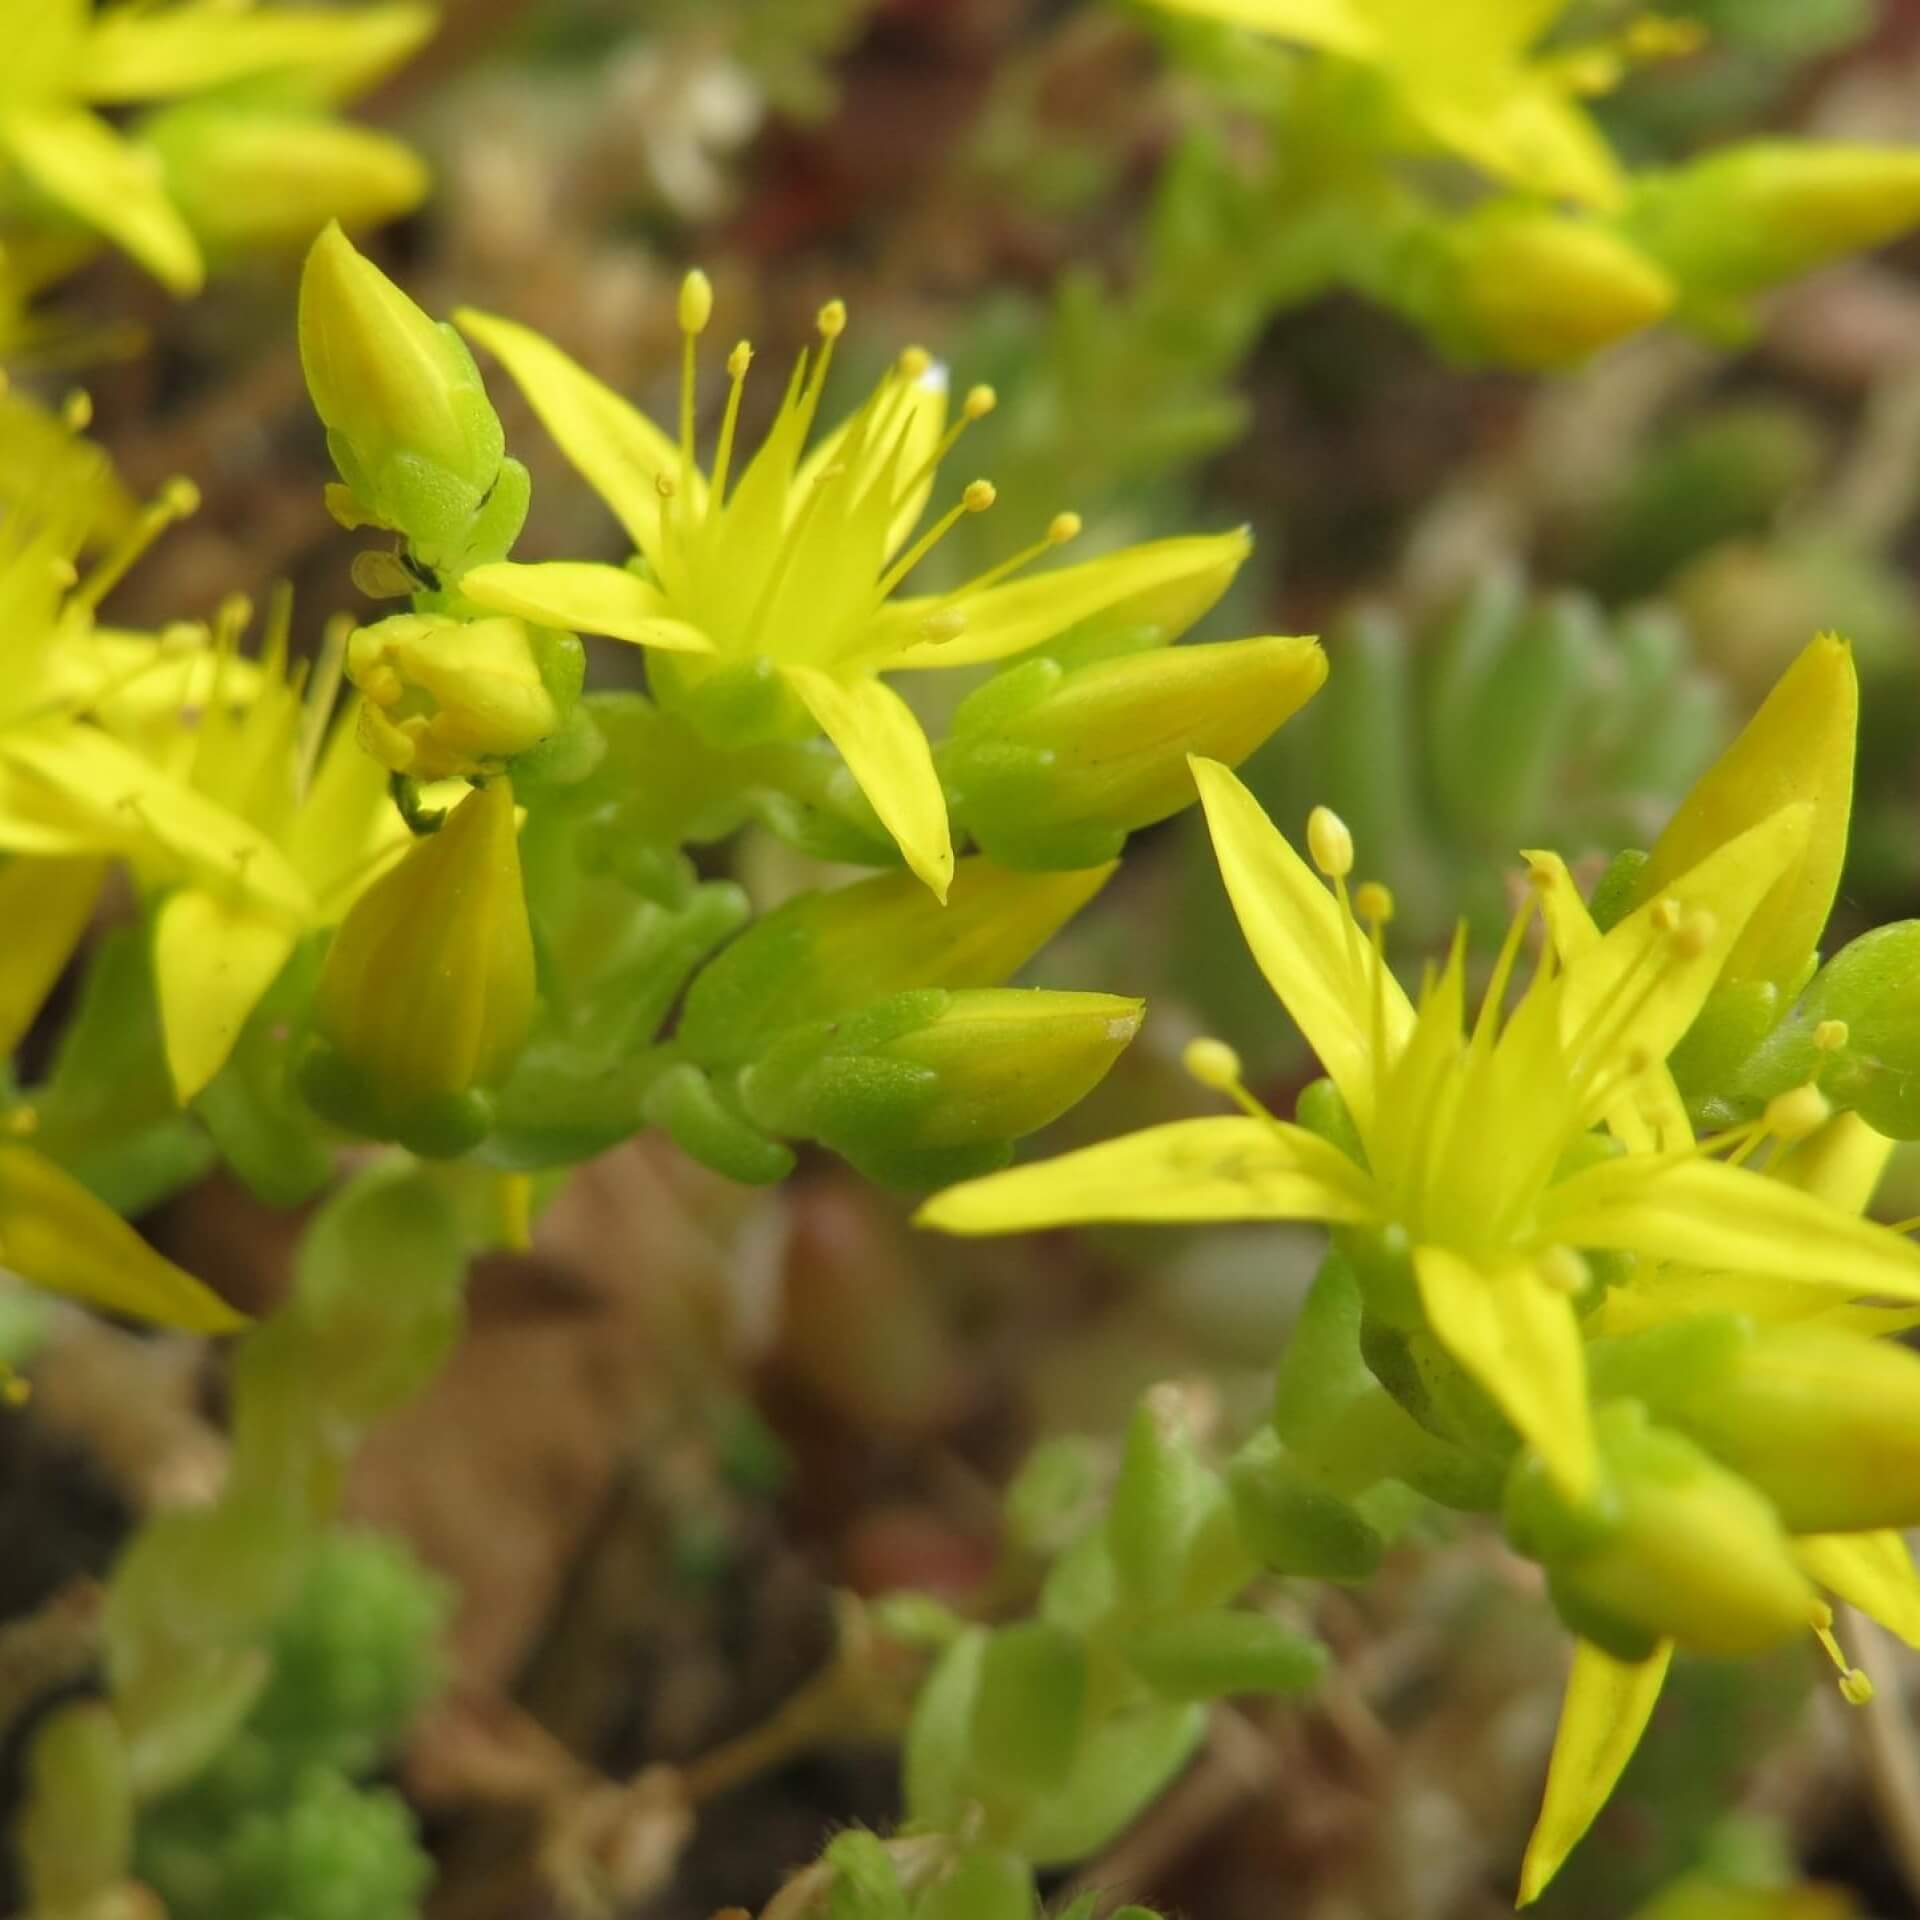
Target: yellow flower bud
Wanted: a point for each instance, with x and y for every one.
(389, 385)
(428, 989)
(1826, 1423)
(450, 698)
(248, 180)
(1530, 288)
(1674, 1547)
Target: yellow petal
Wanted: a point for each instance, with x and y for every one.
(1674, 972)
(908, 447)
(1226, 1167)
(1704, 1213)
(138, 53)
(1871, 1571)
(888, 755)
(212, 960)
(56, 1234)
(77, 159)
(1798, 747)
(347, 832)
(1166, 584)
(1335, 26)
(1651, 1113)
(1606, 1709)
(618, 450)
(1519, 1338)
(1295, 929)
(1530, 134)
(45, 906)
(583, 597)
(131, 807)
(1841, 1163)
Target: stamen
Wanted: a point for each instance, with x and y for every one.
(1855, 1688)
(1217, 1067)
(1793, 1115)
(1330, 843)
(1373, 902)
(176, 500)
(1060, 529)
(696, 309)
(76, 411)
(322, 690)
(1565, 1270)
(738, 361)
(1830, 1036)
(978, 497)
(1486, 1027)
(980, 402)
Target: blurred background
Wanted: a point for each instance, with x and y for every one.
(698, 1413)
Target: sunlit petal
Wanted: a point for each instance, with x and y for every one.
(583, 597)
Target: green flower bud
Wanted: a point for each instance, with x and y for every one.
(1825, 1423)
(1674, 1547)
(1048, 766)
(250, 180)
(428, 989)
(1747, 217)
(826, 954)
(1528, 288)
(918, 1087)
(408, 421)
(460, 698)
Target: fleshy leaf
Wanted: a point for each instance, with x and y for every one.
(1226, 1167)
(1308, 954)
(1606, 1709)
(888, 755)
(1519, 1338)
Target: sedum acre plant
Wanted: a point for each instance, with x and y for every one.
(410, 927)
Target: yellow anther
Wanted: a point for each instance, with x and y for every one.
(945, 623)
(980, 402)
(915, 362)
(696, 302)
(979, 496)
(383, 686)
(1665, 914)
(1330, 843)
(1855, 1688)
(1373, 903)
(739, 360)
(1792, 1115)
(665, 485)
(76, 410)
(1696, 934)
(1062, 528)
(1830, 1036)
(63, 572)
(832, 320)
(1565, 1270)
(1213, 1063)
(180, 497)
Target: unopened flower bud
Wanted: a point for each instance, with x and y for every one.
(408, 421)
(1675, 1546)
(1046, 763)
(1824, 1422)
(446, 698)
(1747, 217)
(927, 1084)
(428, 989)
(1529, 288)
(248, 179)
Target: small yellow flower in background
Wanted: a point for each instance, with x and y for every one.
(64, 59)
(767, 590)
(1466, 79)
